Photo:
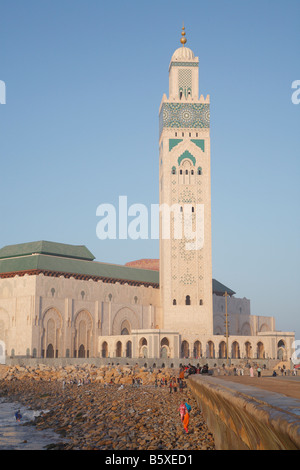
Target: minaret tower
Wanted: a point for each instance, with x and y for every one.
(184, 188)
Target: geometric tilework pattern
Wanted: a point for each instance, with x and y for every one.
(184, 64)
(185, 81)
(184, 115)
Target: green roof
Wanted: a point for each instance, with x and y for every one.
(47, 248)
(67, 259)
(78, 261)
(220, 289)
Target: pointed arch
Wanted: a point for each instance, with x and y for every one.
(125, 316)
(52, 328)
(83, 326)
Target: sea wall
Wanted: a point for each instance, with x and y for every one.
(246, 418)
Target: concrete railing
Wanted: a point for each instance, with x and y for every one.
(244, 417)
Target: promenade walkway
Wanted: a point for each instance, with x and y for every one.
(288, 386)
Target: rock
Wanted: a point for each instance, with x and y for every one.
(107, 417)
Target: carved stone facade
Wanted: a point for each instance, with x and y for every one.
(56, 301)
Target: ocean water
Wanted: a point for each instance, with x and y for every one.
(16, 436)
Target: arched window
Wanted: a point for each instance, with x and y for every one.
(119, 349)
(199, 170)
(173, 170)
(174, 301)
(185, 349)
(188, 300)
(197, 349)
(104, 350)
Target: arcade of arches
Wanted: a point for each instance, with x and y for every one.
(81, 330)
(195, 350)
(82, 342)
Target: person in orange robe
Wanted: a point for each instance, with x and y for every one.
(186, 421)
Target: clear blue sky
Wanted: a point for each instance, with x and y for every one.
(80, 127)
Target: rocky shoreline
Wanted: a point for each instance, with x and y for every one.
(103, 408)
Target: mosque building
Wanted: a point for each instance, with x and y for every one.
(57, 301)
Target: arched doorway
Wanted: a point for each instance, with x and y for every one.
(281, 351)
(50, 351)
(143, 349)
(81, 351)
(52, 333)
(128, 349)
(222, 350)
(124, 321)
(104, 349)
(119, 349)
(210, 350)
(83, 333)
(235, 350)
(260, 350)
(164, 348)
(197, 349)
(184, 349)
(125, 328)
(248, 349)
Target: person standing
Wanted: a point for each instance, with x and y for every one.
(182, 410)
(186, 421)
(18, 416)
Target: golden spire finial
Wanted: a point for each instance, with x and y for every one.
(183, 39)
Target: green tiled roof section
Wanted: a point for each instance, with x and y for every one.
(199, 143)
(76, 266)
(187, 154)
(173, 143)
(220, 289)
(47, 248)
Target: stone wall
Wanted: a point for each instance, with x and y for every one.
(247, 418)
